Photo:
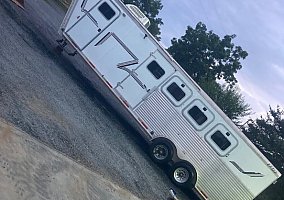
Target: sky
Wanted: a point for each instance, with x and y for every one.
(259, 26)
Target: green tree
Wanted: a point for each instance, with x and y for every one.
(267, 133)
(229, 99)
(151, 9)
(208, 58)
(204, 55)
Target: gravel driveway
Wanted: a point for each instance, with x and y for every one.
(43, 94)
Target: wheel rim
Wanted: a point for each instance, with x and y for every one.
(160, 152)
(181, 175)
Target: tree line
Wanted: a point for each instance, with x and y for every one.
(208, 58)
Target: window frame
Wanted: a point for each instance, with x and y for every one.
(182, 84)
(157, 71)
(105, 13)
(224, 129)
(223, 143)
(201, 106)
(197, 115)
(179, 94)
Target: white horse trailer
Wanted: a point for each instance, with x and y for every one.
(184, 127)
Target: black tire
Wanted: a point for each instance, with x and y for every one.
(183, 174)
(161, 151)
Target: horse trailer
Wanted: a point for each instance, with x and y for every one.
(185, 129)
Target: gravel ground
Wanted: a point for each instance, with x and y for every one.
(44, 95)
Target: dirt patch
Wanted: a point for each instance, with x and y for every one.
(31, 170)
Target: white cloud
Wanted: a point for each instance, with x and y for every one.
(259, 98)
(259, 29)
(279, 71)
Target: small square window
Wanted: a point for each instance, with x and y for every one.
(155, 69)
(219, 139)
(106, 10)
(197, 115)
(176, 91)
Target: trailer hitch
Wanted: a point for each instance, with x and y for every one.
(62, 43)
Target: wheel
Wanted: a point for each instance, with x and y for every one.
(161, 151)
(183, 174)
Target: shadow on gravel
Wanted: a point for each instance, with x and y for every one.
(67, 66)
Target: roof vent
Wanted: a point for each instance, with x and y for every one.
(138, 14)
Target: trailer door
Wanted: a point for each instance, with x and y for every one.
(145, 79)
(94, 20)
(111, 57)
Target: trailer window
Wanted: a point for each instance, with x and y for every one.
(175, 91)
(155, 69)
(219, 139)
(106, 10)
(197, 115)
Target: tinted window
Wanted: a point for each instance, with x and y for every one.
(155, 69)
(220, 140)
(175, 91)
(197, 115)
(106, 10)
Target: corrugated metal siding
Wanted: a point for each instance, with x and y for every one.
(214, 177)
